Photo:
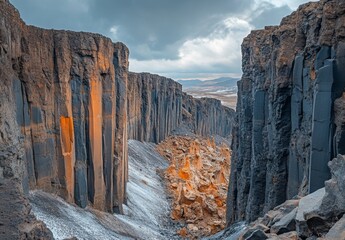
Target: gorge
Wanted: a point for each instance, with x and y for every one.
(68, 106)
(74, 123)
(289, 117)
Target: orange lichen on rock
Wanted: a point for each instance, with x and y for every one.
(184, 171)
(197, 178)
(67, 140)
(95, 125)
(66, 124)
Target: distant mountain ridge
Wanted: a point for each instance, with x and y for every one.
(226, 82)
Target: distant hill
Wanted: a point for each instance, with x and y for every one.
(223, 82)
(224, 89)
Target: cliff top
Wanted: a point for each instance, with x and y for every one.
(12, 15)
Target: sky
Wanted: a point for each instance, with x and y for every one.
(181, 39)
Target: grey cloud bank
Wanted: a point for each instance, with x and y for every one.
(178, 38)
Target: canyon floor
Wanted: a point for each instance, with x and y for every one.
(146, 213)
(176, 190)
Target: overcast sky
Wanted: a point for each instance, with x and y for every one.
(182, 39)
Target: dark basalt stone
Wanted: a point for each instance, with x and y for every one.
(300, 69)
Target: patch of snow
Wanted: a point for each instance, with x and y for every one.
(146, 213)
(147, 201)
(66, 220)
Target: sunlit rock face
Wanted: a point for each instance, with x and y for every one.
(290, 109)
(68, 93)
(197, 179)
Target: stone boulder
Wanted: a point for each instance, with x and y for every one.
(308, 205)
(255, 234)
(286, 236)
(333, 203)
(286, 224)
(337, 232)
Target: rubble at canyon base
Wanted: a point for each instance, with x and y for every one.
(317, 216)
(197, 179)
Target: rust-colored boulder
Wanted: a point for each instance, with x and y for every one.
(193, 179)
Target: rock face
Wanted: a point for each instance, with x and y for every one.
(16, 220)
(207, 116)
(68, 93)
(157, 106)
(319, 215)
(66, 104)
(154, 107)
(290, 109)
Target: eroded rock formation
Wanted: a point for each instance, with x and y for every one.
(207, 116)
(319, 215)
(157, 106)
(154, 107)
(66, 102)
(290, 109)
(197, 179)
(68, 91)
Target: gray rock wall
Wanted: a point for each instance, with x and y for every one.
(68, 93)
(290, 114)
(207, 116)
(154, 107)
(157, 106)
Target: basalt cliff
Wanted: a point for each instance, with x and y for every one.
(157, 107)
(69, 105)
(290, 111)
(66, 91)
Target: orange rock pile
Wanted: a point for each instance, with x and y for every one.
(197, 178)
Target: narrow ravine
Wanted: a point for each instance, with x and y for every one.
(147, 213)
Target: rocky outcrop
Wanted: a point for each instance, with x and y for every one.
(319, 215)
(16, 220)
(68, 93)
(197, 179)
(157, 106)
(290, 109)
(154, 107)
(207, 116)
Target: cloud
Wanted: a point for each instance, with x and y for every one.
(268, 14)
(174, 38)
(292, 4)
(219, 52)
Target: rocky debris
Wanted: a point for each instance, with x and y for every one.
(319, 215)
(16, 219)
(333, 203)
(68, 92)
(290, 110)
(337, 232)
(307, 205)
(286, 223)
(286, 236)
(197, 180)
(157, 107)
(256, 234)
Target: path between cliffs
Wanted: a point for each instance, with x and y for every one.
(147, 215)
